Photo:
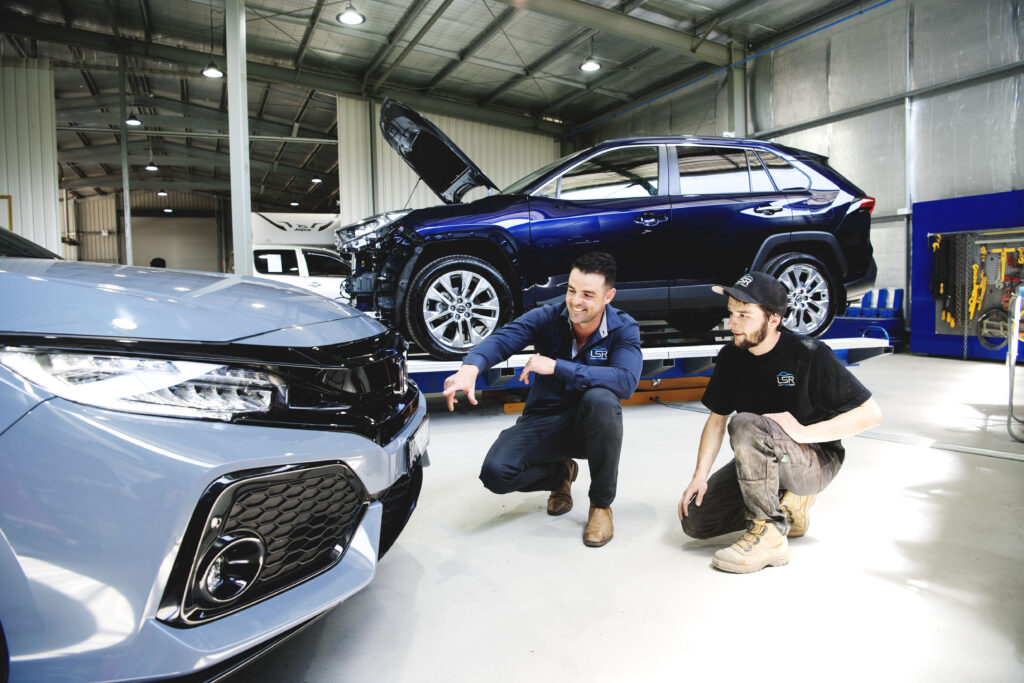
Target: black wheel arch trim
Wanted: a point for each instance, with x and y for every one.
(449, 245)
(791, 241)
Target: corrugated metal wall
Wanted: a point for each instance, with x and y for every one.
(962, 138)
(355, 183)
(28, 150)
(98, 236)
(504, 155)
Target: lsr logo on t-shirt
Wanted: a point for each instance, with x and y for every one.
(599, 353)
(786, 379)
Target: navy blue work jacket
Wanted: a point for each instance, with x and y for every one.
(612, 360)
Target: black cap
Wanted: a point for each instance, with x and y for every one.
(758, 288)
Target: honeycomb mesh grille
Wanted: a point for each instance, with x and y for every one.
(302, 521)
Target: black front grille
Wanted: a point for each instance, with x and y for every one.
(306, 517)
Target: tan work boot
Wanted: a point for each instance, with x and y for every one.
(762, 545)
(599, 527)
(560, 500)
(796, 508)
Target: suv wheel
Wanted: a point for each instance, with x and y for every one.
(812, 293)
(454, 303)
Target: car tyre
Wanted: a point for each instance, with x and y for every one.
(454, 303)
(811, 290)
(4, 657)
(697, 321)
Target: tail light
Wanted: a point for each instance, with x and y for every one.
(866, 203)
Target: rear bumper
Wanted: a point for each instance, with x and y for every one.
(861, 286)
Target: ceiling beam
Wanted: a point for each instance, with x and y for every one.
(474, 46)
(616, 23)
(21, 25)
(314, 19)
(410, 15)
(412, 43)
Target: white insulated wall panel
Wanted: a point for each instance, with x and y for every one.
(189, 243)
(504, 155)
(356, 124)
(28, 150)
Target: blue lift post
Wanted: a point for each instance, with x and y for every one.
(660, 363)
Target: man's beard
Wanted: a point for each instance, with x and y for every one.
(754, 339)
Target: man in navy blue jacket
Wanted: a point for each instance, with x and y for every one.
(587, 359)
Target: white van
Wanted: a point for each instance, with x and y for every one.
(317, 269)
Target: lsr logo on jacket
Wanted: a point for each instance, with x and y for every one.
(599, 353)
(786, 379)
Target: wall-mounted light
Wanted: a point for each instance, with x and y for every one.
(351, 16)
(294, 204)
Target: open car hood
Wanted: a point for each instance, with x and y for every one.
(435, 159)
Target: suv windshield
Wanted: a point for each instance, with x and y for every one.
(527, 180)
(13, 244)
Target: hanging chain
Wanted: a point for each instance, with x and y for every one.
(961, 295)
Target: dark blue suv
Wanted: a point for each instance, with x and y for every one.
(679, 214)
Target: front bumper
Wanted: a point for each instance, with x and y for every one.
(94, 510)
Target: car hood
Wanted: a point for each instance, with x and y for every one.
(89, 299)
(432, 156)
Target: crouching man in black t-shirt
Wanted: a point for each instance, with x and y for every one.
(793, 401)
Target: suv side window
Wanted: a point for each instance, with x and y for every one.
(320, 264)
(785, 176)
(277, 262)
(712, 170)
(759, 179)
(615, 174)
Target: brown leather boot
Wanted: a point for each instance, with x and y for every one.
(560, 500)
(762, 545)
(599, 527)
(796, 509)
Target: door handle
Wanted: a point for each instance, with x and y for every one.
(314, 284)
(768, 209)
(649, 219)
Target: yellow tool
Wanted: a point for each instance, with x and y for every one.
(974, 303)
(937, 242)
(984, 253)
(1002, 260)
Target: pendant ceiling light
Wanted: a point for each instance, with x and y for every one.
(351, 16)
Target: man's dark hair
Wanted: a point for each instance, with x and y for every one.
(597, 262)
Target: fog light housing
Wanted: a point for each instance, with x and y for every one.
(229, 568)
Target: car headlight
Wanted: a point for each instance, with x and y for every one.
(355, 236)
(147, 385)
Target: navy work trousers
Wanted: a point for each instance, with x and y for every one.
(528, 456)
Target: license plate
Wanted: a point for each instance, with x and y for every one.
(416, 447)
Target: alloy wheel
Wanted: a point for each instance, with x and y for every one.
(460, 309)
(809, 300)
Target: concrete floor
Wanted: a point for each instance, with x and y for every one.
(911, 569)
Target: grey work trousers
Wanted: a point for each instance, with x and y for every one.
(766, 461)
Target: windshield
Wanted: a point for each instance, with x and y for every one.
(13, 244)
(527, 180)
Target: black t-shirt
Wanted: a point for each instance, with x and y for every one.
(800, 375)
